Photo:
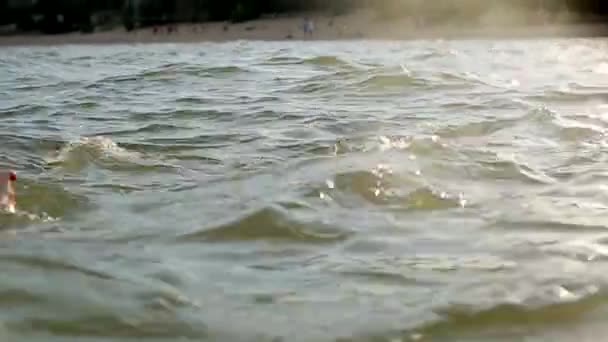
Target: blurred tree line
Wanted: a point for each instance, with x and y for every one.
(150, 12)
(54, 16)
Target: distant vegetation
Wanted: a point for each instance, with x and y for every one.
(54, 16)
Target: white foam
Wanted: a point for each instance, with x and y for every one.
(99, 144)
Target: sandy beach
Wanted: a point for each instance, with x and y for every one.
(357, 25)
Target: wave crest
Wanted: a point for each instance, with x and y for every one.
(268, 223)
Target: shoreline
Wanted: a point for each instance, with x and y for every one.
(357, 26)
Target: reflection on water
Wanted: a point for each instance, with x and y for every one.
(364, 191)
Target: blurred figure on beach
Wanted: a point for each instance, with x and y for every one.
(308, 27)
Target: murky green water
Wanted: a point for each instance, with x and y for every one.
(321, 191)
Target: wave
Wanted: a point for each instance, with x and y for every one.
(561, 126)
(193, 69)
(167, 72)
(282, 60)
(21, 109)
(327, 61)
(111, 80)
(466, 79)
(35, 87)
(380, 82)
(44, 263)
(584, 250)
(182, 114)
(562, 305)
(268, 223)
(550, 217)
(149, 128)
(103, 152)
(14, 297)
(193, 100)
(79, 152)
(547, 122)
(230, 69)
(568, 96)
(485, 104)
(11, 222)
(393, 191)
(312, 88)
(427, 55)
(476, 129)
(205, 140)
(110, 325)
(512, 170)
(429, 174)
(42, 201)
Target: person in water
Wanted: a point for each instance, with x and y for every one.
(8, 199)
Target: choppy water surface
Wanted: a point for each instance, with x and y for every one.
(320, 191)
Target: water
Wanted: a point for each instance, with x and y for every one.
(319, 191)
